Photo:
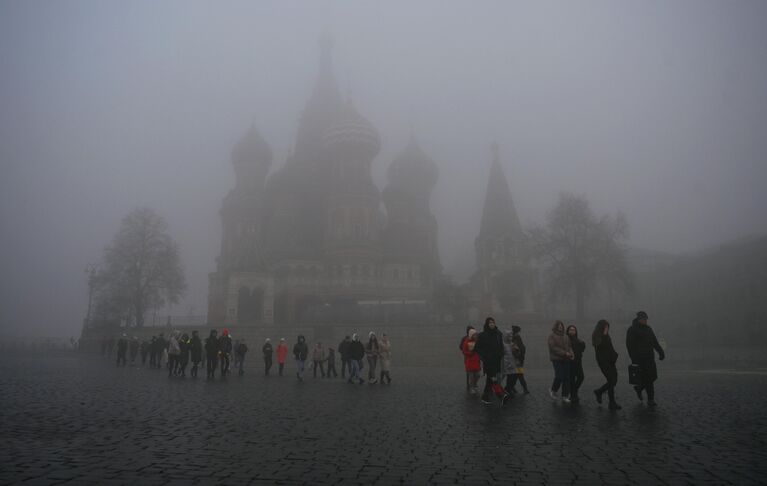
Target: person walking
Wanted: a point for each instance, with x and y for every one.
(606, 359)
(642, 346)
(518, 350)
(465, 337)
(331, 360)
(560, 354)
(268, 351)
(318, 359)
(236, 355)
(371, 352)
(490, 349)
(195, 352)
(356, 354)
(183, 357)
(240, 351)
(122, 349)
(225, 351)
(153, 352)
(509, 364)
(211, 353)
(174, 350)
(384, 359)
(471, 361)
(282, 355)
(300, 352)
(162, 350)
(343, 350)
(576, 365)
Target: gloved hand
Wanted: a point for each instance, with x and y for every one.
(661, 356)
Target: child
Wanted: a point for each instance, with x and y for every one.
(471, 361)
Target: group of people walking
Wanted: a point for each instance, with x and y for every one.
(176, 352)
(502, 355)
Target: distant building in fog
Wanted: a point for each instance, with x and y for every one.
(309, 242)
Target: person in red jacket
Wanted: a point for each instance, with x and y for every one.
(282, 354)
(471, 361)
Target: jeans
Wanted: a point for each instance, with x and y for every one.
(300, 368)
(372, 360)
(332, 369)
(211, 364)
(354, 374)
(576, 378)
(281, 367)
(561, 377)
(321, 366)
(267, 364)
(346, 365)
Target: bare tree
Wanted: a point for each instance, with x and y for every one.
(141, 269)
(579, 250)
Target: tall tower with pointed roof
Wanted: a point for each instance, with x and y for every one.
(503, 265)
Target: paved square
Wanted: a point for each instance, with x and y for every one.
(79, 420)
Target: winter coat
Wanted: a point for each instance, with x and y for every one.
(268, 350)
(384, 353)
(606, 354)
(225, 344)
(356, 350)
(122, 346)
(300, 350)
(173, 347)
(519, 350)
(578, 348)
(331, 357)
(509, 363)
(559, 346)
(318, 354)
(343, 349)
(282, 352)
(183, 354)
(242, 348)
(195, 349)
(371, 348)
(211, 346)
(490, 349)
(642, 345)
(471, 359)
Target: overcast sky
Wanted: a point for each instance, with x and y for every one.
(656, 109)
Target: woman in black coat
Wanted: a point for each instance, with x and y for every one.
(576, 367)
(606, 359)
(195, 350)
(642, 346)
(489, 347)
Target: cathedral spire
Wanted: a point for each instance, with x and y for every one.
(499, 217)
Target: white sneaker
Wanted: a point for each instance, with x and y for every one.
(553, 394)
(566, 399)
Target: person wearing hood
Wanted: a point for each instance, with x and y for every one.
(576, 365)
(122, 349)
(471, 361)
(240, 352)
(490, 349)
(211, 353)
(318, 359)
(356, 354)
(606, 359)
(282, 355)
(343, 350)
(300, 352)
(371, 352)
(384, 358)
(174, 350)
(560, 354)
(195, 351)
(642, 346)
(225, 351)
(464, 338)
(267, 351)
(509, 363)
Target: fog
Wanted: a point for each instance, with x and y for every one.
(656, 109)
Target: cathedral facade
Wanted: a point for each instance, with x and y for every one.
(310, 242)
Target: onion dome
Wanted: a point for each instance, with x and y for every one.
(353, 132)
(252, 148)
(413, 170)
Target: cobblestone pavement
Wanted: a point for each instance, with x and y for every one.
(80, 420)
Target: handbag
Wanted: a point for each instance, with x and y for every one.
(635, 374)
